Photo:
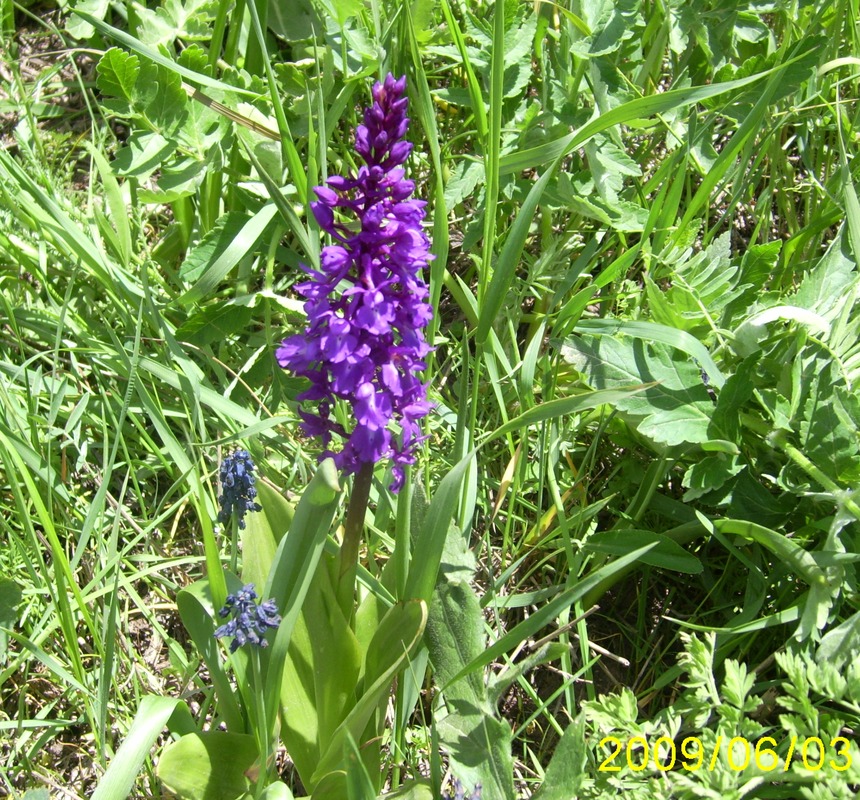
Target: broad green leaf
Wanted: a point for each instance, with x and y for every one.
(153, 55)
(675, 409)
(569, 765)
(291, 575)
(841, 644)
(650, 331)
(177, 19)
(278, 510)
(161, 98)
(828, 436)
(150, 720)
(176, 180)
(208, 766)
(402, 634)
(277, 791)
(799, 560)
(411, 790)
(565, 406)
(334, 653)
(10, 599)
(479, 747)
(79, 29)
(665, 553)
(331, 787)
(199, 618)
(396, 637)
(358, 783)
(430, 542)
(215, 323)
(36, 794)
(298, 706)
(293, 20)
(477, 741)
(609, 22)
(709, 474)
(258, 548)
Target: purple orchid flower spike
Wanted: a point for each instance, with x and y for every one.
(367, 304)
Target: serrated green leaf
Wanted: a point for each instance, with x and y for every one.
(142, 154)
(610, 24)
(161, 98)
(189, 20)
(80, 29)
(823, 287)
(709, 474)
(826, 439)
(117, 73)
(179, 179)
(609, 164)
(737, 685)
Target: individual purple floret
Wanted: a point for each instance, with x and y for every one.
(250, 620)
(456, 791)
(237, 487)
(367, 305)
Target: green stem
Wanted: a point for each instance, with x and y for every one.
(262, 732)
(839, 494)
(234, 542)
(776, 438)
(402, 540)
(352, 532)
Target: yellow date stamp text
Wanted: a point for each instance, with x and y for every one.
(637, 753)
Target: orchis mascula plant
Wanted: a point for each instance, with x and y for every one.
(323, 684)
(367, 307)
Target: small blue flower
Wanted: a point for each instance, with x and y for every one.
(237, 487)
(456, 791)
(250, 619)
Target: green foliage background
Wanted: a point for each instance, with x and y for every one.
(646, 232)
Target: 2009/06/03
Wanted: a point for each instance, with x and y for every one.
(762, 754)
